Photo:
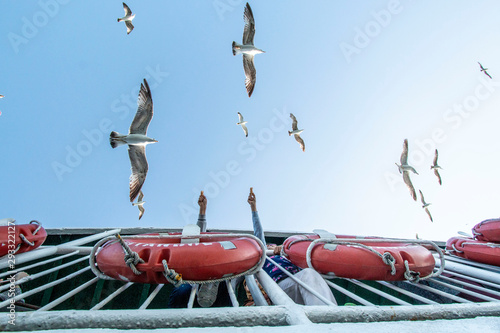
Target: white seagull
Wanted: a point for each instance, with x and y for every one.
(137, 140)
(248, 49)
(425, 205)
(242, 123)
(484, 70)
(404, 168)
(435, 167)
(295, 131)
(127, 18)
(140, 204)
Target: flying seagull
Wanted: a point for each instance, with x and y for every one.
(425, 205)
(248, 50)
(404, 168)
(140, 204)
(435, 167)
(2, 96)
(127, 18)
(137, 140)
(242, 122)
(295, 131)
(484, 70)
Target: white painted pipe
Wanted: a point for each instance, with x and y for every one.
(64, 297)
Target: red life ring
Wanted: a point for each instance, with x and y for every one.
(209, 259)
(19, 238)
(468, 248)
(487, 230)
(348, 261)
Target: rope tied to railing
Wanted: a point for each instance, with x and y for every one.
(39, 226)
(131, 258)
(388, 259)
(171, 275)
(410, 275)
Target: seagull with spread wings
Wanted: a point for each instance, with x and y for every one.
(248, 49)
(425, 205)
(296, 132)
(435, 167)
(242, 122)
(137, 140)
(140, 204)
(484, 70)
(127, 18)
(404, 168)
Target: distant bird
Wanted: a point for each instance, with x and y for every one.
(425, 205)
(127, 18)
(242, 123)
(404, 168)
(484, 70)
(435, 167)
(2, 96)
(140, 204)
(137, 140)
(295, 131)
(248, 49)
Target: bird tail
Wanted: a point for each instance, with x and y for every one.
(116, 139)
(234, 50)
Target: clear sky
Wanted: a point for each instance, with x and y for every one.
(360, 76)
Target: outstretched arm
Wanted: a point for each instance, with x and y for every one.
(202, 221)
(257, 227)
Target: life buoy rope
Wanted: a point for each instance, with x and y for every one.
(409, 275)
(24, 239)
(132, 258)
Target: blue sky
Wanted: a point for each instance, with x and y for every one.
(359, 76)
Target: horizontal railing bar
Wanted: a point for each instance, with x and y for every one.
(111, 296)
(64, 297)
(45, 286)
(379, 292)
(407, 293)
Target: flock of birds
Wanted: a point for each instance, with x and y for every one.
(404, 168)
(137, 138)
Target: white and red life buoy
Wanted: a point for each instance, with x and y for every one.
(476, 250)
(487, 230)
(211, 257)
(364, 261)
(19, 238)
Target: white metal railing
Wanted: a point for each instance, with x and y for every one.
(456, 285)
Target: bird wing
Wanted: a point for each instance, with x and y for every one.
(436, 172)
(300, 141)
(240, 117)
(404, 154)
(407, 180)
(429, 213)
(127, 10)
(250, 74)
(422, 197)
(249, 30)
(130, 26)
(245, 129)
(141, 209)
(485, 72)
(294, 122)
(139, 165)
(141, 196)
(144, 112)
(435, 158)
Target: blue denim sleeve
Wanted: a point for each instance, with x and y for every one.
(257, 227)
